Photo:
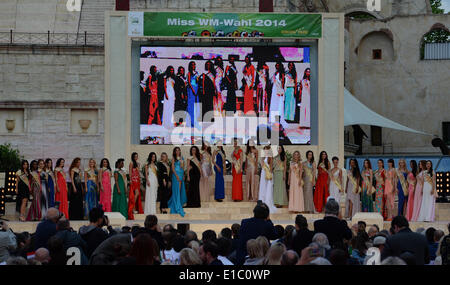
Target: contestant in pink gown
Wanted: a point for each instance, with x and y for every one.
(412, 182)
(105, 189)
(418, 191)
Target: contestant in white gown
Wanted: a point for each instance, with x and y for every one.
(428, 205)
(266, 181)
(151, 188)
(169, 100)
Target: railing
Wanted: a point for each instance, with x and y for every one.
(437, 51)
(60, 39)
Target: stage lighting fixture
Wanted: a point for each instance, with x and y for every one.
(2, 201)
(443, 185)
(10, 183)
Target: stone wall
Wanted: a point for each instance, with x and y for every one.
(402, 87)
(47, 93)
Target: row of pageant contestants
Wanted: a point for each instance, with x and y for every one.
(375, 191)
(164, 93)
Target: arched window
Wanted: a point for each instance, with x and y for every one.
(436, 43)
(376, 46)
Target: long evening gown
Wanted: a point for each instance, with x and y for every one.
(178, 198)
(151, 192)
(380, 177)
(231, 83)
(352, 197)
(249, 77)
(61, 196)
(218, 99)
(418, 196)
(389, 192)
(169, 104)
(308, 176)
(412, 182)
(164, 192)
(366, 199)
(335, 192)
(34, 213)
(76, 211)
(427, 208)
(44, 193)
(193, 193)
(205, 192)
(321, 192)
(135, 186)
(305, 109)
(279, 184)
(193, 107)
(119, 201)
(296, 201)
(261, 91)
(105, 195)
(219, 190)
(402, 192)
(51, 188)
(208, 92)
(237, 194)
(251, 183)
(277, 100)
(266, 187)
(90, 198)
(289, 98)
(24, 189)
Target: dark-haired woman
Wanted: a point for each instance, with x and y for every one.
(429, 195)
(34, 213)
(402, 186)
(90, 183)
(236, 169)
(134, 199)
(76, 194)
(251, 172)
(305, 109)
(367, 176)
(390, 189)
(169, 98)
(321, 192)
(178, 198)
(119, 201)
(61, 188)
(277, 100)
(193, 98)
(309, 179)
(279, 178)
(289, 97)
(353, 190)
(296, 200)
(219, 166)
(249, 84)
(218, 100)
(151, 189)
(380, 178)
(44, 187)
(194, 172)
(164, 182)
(208, 88)
(105, 174)
(206, 163)
(418, 193)
(50, 182)
(262, 71)
(412, 181)
(23, 178)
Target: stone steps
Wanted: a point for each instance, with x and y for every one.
(92, 18)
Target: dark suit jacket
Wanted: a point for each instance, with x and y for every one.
(335, 229)
(44, 231)
(251, 229)
(301, 240)
(406, 240)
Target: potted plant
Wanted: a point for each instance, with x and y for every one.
(9, 161)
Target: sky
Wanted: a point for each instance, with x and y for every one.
(446, 5)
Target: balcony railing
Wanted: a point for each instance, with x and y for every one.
(52, 39)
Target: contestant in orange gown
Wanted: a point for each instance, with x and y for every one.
(61, 188)
(321, 192)
(134, 199)
(249, 79)
(237, 157)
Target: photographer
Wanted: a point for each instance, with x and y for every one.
(7, 241)
(70, 238)
(94, 234)
(46, 228)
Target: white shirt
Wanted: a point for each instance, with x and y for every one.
(224, 260)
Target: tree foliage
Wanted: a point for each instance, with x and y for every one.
(9, 158)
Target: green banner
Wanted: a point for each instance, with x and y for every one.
(269, 25)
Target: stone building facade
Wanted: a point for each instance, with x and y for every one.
(47, 89)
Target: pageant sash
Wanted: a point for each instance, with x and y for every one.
(197, 163)
(403, 182)
(23, 176)
(237, 162)
(267, 171)
(370, 187)
(379, 177)
(356, 188)
(124, 177)
(309, 173)
(336, 181)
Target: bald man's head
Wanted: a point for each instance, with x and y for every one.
(42, 255)
(53, 214)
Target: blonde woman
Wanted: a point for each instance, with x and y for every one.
(309, 180)
(266, 180)
(189, 257)
(274, 254)
(251, 171)
(90, 184)
(402, 187)
(255, 253)
(353, 189)
(296, 201)
(206, 164)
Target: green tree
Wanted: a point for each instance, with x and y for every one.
(9, 158)
(436, 7)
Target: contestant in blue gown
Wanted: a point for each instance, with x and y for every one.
(178, 198)
(219, 193)
(193, 98)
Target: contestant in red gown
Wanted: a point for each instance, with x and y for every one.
(134, 199)
(249, 79)
(237, 157)
(61, 188)
(321, 192)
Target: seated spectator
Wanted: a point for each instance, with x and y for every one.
(208, 253)
(280, 234)
(153, 229)
(189, 257)
(373, 231)
(406, 240)
(42, 255)
(359, 248)
(144, 251)
(224, 245)
(263, 243)
(46, 228)
(274, 254)
(338, 257)
(16, 260)
(169, 253)
(255, 253)
(70, 238)
(438, 234)
(322, 240)
(8, 241)
(259, 225)
(56, 250)
(93, 234)
(408, 258)
(226, 233)
(432, 245)
(420, 230)
(289, 257)
(313, 255)
(111, 250)
(444, 249)
(288, 236)
(194, 245)
(393, 260)
(209, 235)
(169, 228)
(190, 236)
(336, 230)
(24, 245)
(303, 236)
(235, 228)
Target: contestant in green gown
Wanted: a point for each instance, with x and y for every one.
(119, 202)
